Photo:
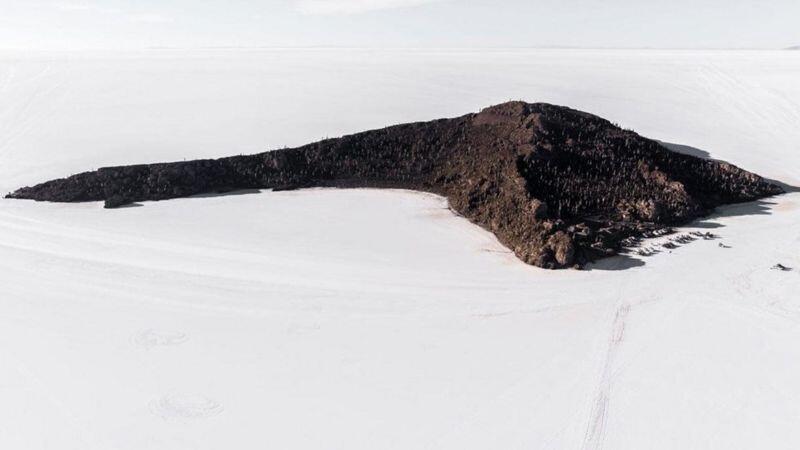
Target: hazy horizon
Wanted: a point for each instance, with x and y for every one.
(625, 24)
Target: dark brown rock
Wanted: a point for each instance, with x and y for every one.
(558, 186)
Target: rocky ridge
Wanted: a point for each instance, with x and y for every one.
(559, 187)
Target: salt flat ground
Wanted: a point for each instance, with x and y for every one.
(367, 319)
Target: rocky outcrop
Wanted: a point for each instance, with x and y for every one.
(558, 186)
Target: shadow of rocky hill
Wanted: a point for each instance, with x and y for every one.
(754, 208)
(696, 152)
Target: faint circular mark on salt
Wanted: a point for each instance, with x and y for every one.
(150, 338)
(183, 406)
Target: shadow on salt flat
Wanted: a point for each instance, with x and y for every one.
(761, 207)
(687, 150)
(680, 238)
(698, 153)
(704, 223)
(226, 193)
(618, 262)
(203, 195)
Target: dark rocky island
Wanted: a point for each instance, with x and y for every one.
(558, 186)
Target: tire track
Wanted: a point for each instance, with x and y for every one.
(596, 428)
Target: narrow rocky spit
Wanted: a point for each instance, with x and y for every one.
(559, 187)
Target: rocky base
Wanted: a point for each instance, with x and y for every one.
(558, 186)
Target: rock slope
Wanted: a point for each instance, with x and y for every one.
(559, 187)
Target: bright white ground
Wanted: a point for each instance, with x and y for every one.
(366, 319)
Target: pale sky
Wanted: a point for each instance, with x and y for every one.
(113, 24)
